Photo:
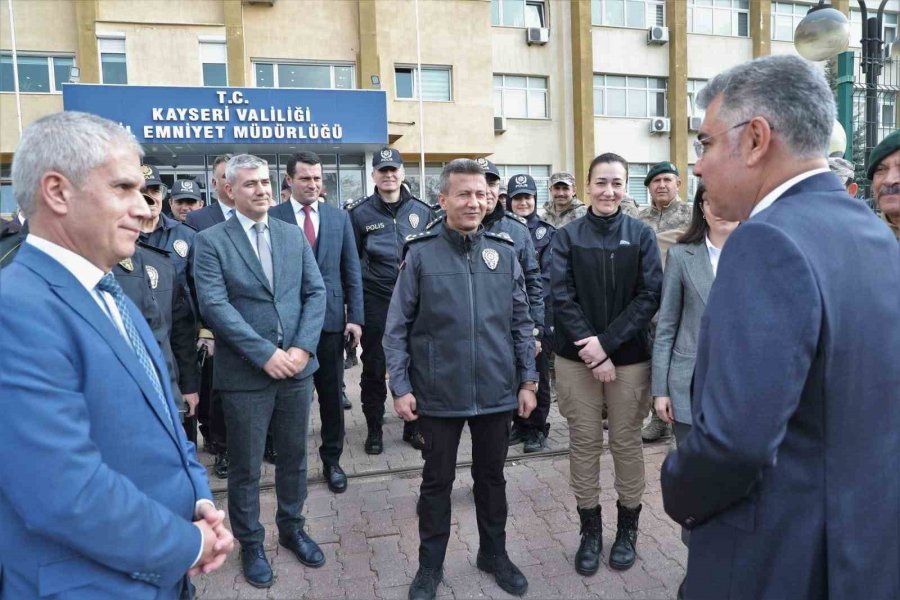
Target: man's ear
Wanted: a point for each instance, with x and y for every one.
(56, 192)
(759, 134)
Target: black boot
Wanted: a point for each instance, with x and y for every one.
(374, 444)
(587, 559)
(622, 554)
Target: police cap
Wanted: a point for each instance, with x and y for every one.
(489, 167)
(521, 184)
(386, 157)
(151, 176)
(186, 189)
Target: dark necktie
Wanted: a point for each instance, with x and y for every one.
(264, 251)
(109, 285)
(308, 228)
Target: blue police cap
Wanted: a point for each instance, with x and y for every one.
(521, 184)
(386, 157)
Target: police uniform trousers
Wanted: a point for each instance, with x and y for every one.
(490, 434)
(538, 417)
(285, 404)
(329, 381)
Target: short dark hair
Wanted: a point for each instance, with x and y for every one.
(307, 158)
(697, 230)
(222, 158)
(459, 166)
(605, 158)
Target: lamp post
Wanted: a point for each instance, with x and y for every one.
(825, 32)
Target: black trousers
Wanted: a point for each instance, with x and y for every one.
(372, 386)
(329, 381)
(209, 410)
(284, 403)
(489, 447)
(538, 417)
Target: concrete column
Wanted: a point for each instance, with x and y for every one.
(368, 60)
(761, 27)
(582, 89)
(842, 5)
(676, 19)
(87, 55)
(234, 39)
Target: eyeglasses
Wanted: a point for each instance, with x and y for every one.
(700, 144)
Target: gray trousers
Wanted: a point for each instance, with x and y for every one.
(285, 403)
(681, 430)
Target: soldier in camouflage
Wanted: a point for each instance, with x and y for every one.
(562, 207)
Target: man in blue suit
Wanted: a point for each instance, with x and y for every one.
(330, 234)
(261, 293)
(101, 495)
(787, 479)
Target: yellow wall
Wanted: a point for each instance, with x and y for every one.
(162, 11)
(34, 106)
(35, 19)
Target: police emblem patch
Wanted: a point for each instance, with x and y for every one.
(482, 162)
(126, 264)
(385, 153)
(153, 275)
(188, 186)
(414, 220)
(181, 247)
(540, 232)
(490, 257)
(520, 180)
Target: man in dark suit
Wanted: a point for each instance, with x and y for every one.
(330, 234)
(101, 495)
(262, 295)
(789, 485)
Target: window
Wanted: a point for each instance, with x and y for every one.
(888, 26)
(520, 97)
(435, 83)
(7, 200)
(432, 181)
(540, 173)
(113, 68)
(639, 14)
(38, 74)
(305, 75)
(693, 88)
(518, 13)
(214, 62)
(785, 18)
(621, 96)
(636, 189)
(719, 17)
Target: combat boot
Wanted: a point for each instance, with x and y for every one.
(656, 429)
(374, 444)
(587, 559)
(622, 554)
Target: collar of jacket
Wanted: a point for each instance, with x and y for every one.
(604, 223)
(462, 241)
(673, 203)
(551, 207)
(495, 215)
(385, 206)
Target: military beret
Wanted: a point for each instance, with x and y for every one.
(659, 169)
(885, 148)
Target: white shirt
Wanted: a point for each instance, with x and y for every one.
(714, 254)
(88, 275)
(226, 211)
(775, 194)
(247, 223)
(300, 215)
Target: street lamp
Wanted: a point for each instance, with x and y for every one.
(824, 32)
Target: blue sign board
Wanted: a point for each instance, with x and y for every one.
(209, 115)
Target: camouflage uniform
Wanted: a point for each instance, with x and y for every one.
(677, 215)
(895, 228)
(575, 210)
(630, 207)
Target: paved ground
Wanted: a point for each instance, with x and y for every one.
(370, 538)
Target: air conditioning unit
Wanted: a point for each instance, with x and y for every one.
(694, 123)
(499, 124)
(660, 125)
(658, 35)
(537, 36)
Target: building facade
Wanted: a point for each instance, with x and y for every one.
(535, 85)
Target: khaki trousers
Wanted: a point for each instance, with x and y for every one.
(581, 400)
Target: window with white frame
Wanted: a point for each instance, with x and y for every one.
(518, 13)
(785, 18)
(693, 88)
(113, 66)
(639, 14)
(636, 189)
(435, 83)
(335, 76)
(719, 17)
(520, 97)
(627, 96)
(214, 62)
(889, 27)
(38, 73)
(540, 173)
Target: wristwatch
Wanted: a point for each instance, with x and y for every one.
(531, 386)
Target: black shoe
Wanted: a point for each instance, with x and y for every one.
(374, 444)
(221, 466)
(336, 478)
(534, 441)
(622, 554)
(348, 362)
(270, 455)
(424, 585)
(516, 434)
(587, 559)
(304, 548)
(345, 401)
(506, 574)
(257, 570)
(414, 439)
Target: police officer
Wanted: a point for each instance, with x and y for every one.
(460, 350)
(381, 222)
(522, 201)
(185, 198)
